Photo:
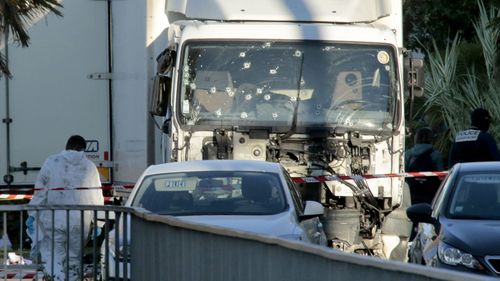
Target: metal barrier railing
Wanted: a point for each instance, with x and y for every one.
(167, 248)
(60, 243)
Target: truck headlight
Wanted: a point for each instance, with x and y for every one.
(453, 256)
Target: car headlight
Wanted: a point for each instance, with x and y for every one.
(453, 256)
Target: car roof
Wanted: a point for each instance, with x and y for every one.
(214, 165)
(471, 167)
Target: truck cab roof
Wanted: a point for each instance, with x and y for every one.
(290, 10)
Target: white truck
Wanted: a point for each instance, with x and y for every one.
(317, 86)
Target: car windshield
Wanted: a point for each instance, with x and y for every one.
(211, 193)
(476, 197)
(265, 84)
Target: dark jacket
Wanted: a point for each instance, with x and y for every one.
(473, 145)
(423, 189)
(418, 149)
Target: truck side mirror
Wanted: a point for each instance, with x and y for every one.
(160, 95)
(414, 75)
(165, 128)
(162, 83)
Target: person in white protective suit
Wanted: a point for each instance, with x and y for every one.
(70, 170)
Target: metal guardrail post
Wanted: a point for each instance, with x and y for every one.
(125, 246)
(82, 243)
(52, 256)
(66, 271)
(4, 237)
(106, 248)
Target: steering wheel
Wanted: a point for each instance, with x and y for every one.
(246, 88)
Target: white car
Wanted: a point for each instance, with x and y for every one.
(254, 196)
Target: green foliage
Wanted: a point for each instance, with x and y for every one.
(463, 77)
(426, 21)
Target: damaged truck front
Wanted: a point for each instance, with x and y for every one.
(315, 86)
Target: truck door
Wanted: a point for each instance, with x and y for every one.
(59, 88)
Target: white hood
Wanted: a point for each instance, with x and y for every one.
(73, 157)
(277, 225)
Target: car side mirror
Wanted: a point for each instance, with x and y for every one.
(420, 213)
(312, 209)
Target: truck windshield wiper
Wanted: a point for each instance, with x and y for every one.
(340, 130)
(293, 126)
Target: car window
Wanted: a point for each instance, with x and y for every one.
(476, 196)
(438, 199)
(211, 193)
(297, 200)
(439, 191)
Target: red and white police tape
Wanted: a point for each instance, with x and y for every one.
(18, 276)
(30, 275)
(29, 196)
(316, 179)
(10, 193)
(311, 179)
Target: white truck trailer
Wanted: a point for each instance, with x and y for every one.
(315, 85)
(89, 73)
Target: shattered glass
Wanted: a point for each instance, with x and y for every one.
(264, 84)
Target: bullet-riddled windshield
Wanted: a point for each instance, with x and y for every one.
(266, 84)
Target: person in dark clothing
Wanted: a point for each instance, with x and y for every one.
(421, 158)
(475, 143)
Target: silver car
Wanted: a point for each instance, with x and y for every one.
(246, 195)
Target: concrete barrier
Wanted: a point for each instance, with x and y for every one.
(166, 248)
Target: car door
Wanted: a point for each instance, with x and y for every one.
(429, 236)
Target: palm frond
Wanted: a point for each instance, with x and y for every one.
(15, 16)
(442, 104)
(4, 69)
(453, 92)
(488, 37)
(495, 23)
(13, 21)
